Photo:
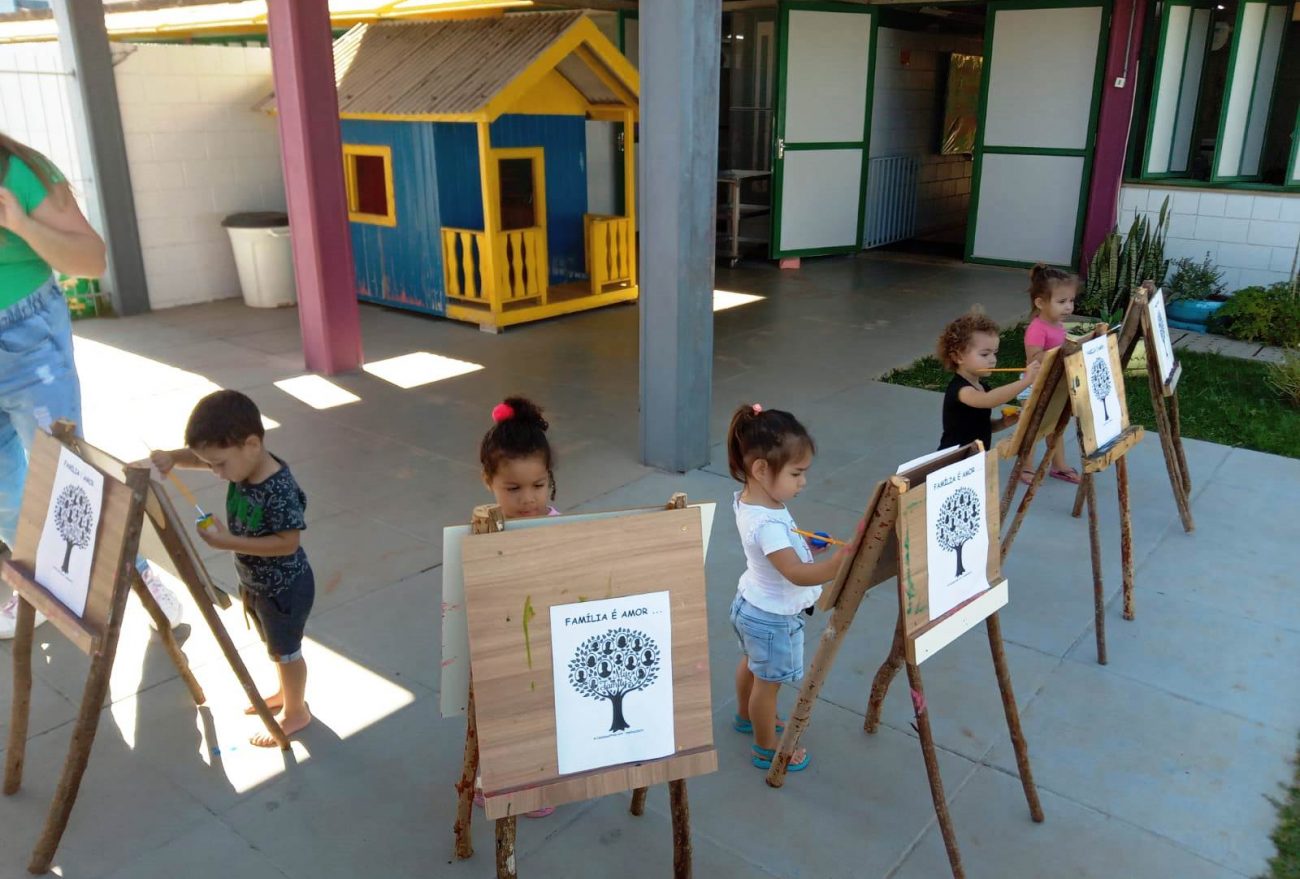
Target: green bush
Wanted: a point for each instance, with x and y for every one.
(1195, 280)
(1285, 377)
(1269, 315)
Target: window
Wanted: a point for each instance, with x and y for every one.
(1225, 93)
(368, 175)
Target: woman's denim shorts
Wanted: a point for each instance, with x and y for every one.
(772, 641)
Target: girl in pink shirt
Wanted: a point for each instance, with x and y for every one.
(1051, 295)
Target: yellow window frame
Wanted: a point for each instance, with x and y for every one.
(538, 157)
(351, 150)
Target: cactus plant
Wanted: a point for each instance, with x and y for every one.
(1121, 264)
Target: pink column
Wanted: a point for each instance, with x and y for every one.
(1127, 17)
(302, 58)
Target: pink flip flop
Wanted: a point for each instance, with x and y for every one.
(1069, 474)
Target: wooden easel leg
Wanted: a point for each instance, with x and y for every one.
(1013, 482)
(638, 801)
(16, 751)
(1175, 461)
(83, 737)
(506, 848)
(1176, 428)
(236, 662)
(465, 787)
(169, 640)
(884, 677)
(994, 626)
(1078, 501)
(1039, 475)
(932, 771)
(1094, 543)
(1125, 535)
(681, 815)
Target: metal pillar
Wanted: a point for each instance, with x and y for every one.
(679, 164)
(302, 60)
(86, 54)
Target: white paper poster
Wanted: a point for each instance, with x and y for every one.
(1104, 390)
(67, 547)
(613, 666)
(957, 534)
(1164, 348)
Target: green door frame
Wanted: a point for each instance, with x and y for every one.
(1086, 152)
(780, 147)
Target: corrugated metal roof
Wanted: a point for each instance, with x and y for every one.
(449, 67)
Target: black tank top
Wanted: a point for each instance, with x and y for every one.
(964, 424)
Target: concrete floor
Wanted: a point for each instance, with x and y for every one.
(1159, 764)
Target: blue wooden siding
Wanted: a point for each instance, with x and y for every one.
(563, 140)
(402, 265)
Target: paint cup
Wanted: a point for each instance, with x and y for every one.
(1008, 411)
(205, 521)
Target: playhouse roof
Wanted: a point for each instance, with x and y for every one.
(474, 69)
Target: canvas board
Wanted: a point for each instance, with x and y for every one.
(1159, 342)
(1096, 386)
(453, 696)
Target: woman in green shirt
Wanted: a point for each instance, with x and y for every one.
(42, 231)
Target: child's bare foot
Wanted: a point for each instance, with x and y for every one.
(290, 725)
(275, 703)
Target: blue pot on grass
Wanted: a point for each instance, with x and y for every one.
(1191, 314)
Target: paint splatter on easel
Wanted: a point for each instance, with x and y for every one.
(529, 613)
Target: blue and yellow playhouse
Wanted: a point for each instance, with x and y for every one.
(466, 167)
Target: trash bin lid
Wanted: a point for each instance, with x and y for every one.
(256, 220)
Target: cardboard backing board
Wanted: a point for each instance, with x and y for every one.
(87, 630)
(1081, 393)
(512, 579)
(886, 566)
(1054, 396)
(910, 560)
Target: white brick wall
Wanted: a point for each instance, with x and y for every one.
(907, 103)
(197, 152)
(1252, 237)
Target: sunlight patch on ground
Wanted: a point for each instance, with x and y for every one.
(724, 299)
(131, 404)
(317, 392)
(419, 368)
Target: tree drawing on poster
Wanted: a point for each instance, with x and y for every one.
(1104, 385)
(75, 519)
(957, 536)
(1099, 377)
(67, 545)
(612, 665)
(1162, 344)
(959, 518)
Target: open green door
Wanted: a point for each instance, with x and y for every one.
(1038, 124)
(826, 69)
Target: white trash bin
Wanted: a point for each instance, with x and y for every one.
(264, 257)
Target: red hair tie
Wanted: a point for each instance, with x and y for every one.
(758, 409)
(502, 412)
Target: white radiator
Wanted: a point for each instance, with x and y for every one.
(891, 200)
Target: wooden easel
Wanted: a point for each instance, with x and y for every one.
(1164, 403)
(875, 561)
(673, 770)
(130, 498)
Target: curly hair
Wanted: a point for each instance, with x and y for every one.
(771, 435)
(1042, 278)
(518, 431)
(955, 338)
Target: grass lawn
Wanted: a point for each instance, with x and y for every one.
(1286, 864)
(1221, 399)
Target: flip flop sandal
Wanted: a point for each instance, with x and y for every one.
(746, 726)
(1069, 474)
(763, 758)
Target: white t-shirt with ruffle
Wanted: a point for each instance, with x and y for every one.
(763, 531)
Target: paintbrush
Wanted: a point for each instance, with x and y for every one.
(205, 520)
(819, 538)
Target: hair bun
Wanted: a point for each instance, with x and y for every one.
(525, 411)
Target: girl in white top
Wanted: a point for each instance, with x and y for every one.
(770, 453)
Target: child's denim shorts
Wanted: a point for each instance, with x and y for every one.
(281, 618)
(772, 641)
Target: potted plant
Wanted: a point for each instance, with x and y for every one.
(1195, 293)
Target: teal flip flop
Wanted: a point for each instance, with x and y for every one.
(746, 726)
(763, 758)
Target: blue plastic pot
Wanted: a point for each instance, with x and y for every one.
(1191, 311)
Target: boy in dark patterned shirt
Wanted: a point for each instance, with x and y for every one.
(265, 513)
